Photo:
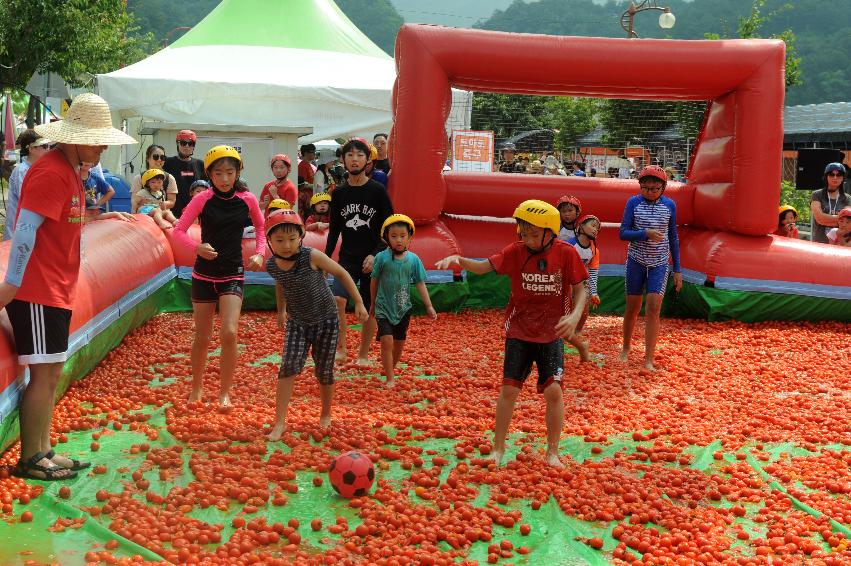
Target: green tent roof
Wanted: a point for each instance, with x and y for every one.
(297, 24)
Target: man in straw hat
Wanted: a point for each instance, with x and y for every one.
(41, 278)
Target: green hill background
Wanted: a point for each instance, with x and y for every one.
(823, 29)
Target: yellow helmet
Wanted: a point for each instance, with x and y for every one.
(278, 204)
(393, 219)
(373, 153)
(219, 152)
(786, 208)
(150, 174)
(539, 213)
(319, 197)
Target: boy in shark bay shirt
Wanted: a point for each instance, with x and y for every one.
(359, 207)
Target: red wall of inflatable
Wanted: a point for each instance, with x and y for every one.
(729, 204)
(734, 180)
(116, 257)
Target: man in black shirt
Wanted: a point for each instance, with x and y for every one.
(358, 209)
(184, 168)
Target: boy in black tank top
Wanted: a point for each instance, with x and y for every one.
(307, 309)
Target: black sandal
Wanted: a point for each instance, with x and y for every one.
(75, 464)
(31, 468)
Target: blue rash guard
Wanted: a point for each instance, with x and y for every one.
(641, 215)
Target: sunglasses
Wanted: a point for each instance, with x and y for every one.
(835, 174)
(186, 143)
(158, 156)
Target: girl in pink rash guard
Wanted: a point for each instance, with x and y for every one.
(218, 275)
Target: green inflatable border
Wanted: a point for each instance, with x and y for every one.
(87, 357)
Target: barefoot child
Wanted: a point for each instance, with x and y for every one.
(569, 208)
(650, 226)
(359, 207)
(218, 276)
(152, 201)
(393, 272)
(319, 218)
(307, 309)
(585, 243)
(547, 300)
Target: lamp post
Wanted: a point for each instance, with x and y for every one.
(666, 19)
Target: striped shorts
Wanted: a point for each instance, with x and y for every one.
(41, 332)
(321, 337)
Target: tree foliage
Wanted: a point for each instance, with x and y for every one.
(377, 19)
(161, 17)
(751, 26)
(73, 38)
(817, 55)
(572, 118)
(509, 114)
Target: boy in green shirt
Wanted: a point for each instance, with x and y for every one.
(393, 272)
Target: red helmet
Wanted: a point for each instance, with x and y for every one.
(844, 213)
(356, 143)
(653, 171)
(187, 135)
(281, 157)
(283, 216)
(569, 199)
(585, 218)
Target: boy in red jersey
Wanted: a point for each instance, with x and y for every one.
(547, 300)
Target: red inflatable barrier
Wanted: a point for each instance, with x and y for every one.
(116, 257)
(734, 180)
(488, 194)
(765, 258)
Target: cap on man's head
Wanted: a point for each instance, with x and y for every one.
(834, 167)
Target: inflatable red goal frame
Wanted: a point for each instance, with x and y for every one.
(734, 175)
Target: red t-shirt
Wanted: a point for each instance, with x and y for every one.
(286, 191)
(53, 189)
(306, 171)
(540, 288)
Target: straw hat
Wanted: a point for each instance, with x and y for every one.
(88, 123)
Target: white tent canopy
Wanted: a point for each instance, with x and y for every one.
(278, 63)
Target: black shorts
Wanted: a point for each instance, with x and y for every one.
(321, 338)
(399, 331)
(362, 281)
(41, 332)
(204, 291)
(519, 356)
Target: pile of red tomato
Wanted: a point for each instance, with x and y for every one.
(649, 482)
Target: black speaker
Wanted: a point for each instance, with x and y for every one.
(811, 164)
